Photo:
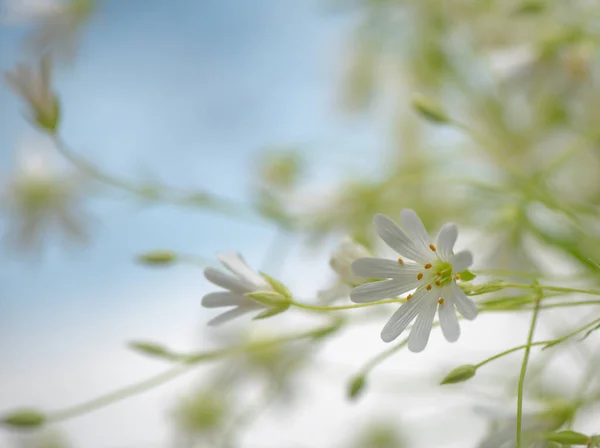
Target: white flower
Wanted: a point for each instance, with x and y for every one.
(342, 258)
(241, 280)
(432, 273)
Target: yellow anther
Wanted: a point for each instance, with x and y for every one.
(438, 283)
(428, 266)
(419, 276)
(432, 247)
(428, 287)
(408, 297)
(441, 300)
(439, 274)
(457, 276)
(400, 260)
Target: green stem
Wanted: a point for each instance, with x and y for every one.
(592, 292)
(307, 306)
(188, 363)
(524, 369)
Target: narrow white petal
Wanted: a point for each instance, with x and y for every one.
(465, 305)
(226, 281)
(376, 268)
(420, 331)
(395, 237)
(230, 315)
(461, 261)
(403, 316)
(415, 229)
(446, 240)
(448, 319)
(371, 292)
(221, 299)
(237, 265)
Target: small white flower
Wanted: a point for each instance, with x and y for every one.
(241, 280)
(431, 273)
(342, 258)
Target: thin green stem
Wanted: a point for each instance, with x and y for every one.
(524, 369)
(188, 363)
(592, 292)
(307, 306)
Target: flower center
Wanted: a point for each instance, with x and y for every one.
(444, 273)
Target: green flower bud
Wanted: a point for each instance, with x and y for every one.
(429, 110)
(356, 387)
(467, 275)
(158, 258)
(568, 438)
(268, 298)
(24, 418)
(460, 374)
(277, 286)
(151, 349)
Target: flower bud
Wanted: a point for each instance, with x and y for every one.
(151, 349)
(24, 418)
(429, 110)
(158, 258)
(342, 258)
(568, 438)
(460, 374)
(356, 387)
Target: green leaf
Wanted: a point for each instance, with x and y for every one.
(277, 286)
(568, 437)
(467, 275)
(25, 418)
(152, 349)
(356, 386)
(590, 332)
(460, 374)
(429, 110)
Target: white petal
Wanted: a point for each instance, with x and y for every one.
(230, 315)
(221, 299)
(226, 281)
(376, 267)
(420, 331)
(446, 240)
(461, 261)
(371, 292)
(448, 319)
(465, 305)
(415, 229)
(236, 264)
(403, 316)
(395, 237)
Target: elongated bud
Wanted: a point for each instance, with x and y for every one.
(158, 258)
(277, 286)
(268, 298)
(493, 286)
(429, 110)
(568, 438)
(356, 387)
(460, 374)
(24, 418)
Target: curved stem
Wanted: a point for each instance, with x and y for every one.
(524, 369)
(307, 306)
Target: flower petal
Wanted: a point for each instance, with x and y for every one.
(465, 305)
(231, 314)
(226, 281)
(222, 298)
(395, 237)
(446, 240)
(371, 292)
(420, 331)
(461, 261)
(415, 229)
(448, 320)
(376, 268)
(236, 264)
(403, 316)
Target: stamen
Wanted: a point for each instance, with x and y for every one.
(457, 276)
(441, 300)
(428, 265)
(420, 276)
(439, 274)
(428, 287)
(438, 283)
(432, 247)
(400, 260)
(408, 297)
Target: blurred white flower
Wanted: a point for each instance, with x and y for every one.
(57, 23)
(38, 198)
(34, 86)
(432, 273)
(342, 258)
(240, 281)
